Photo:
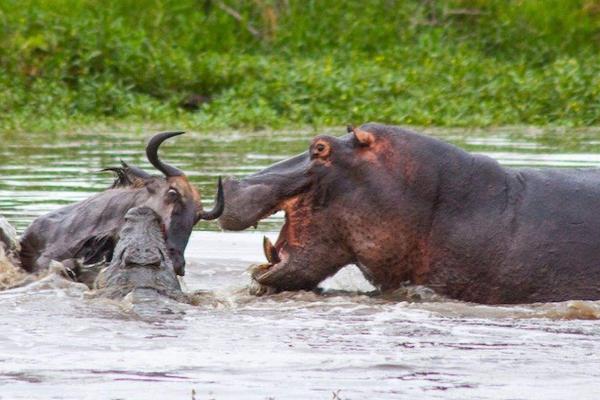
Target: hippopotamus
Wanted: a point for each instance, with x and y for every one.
(407, 208)
(140, 261)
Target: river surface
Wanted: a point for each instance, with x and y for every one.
(344, 343)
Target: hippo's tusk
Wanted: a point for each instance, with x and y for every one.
(218, 207)
(270, 251)
(152, 154)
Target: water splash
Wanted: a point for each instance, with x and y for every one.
(345, 339)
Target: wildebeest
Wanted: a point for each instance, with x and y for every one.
(86, 232)
(408, 208)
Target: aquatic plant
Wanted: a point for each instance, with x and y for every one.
(270, 63)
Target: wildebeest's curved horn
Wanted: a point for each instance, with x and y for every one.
(218, 207)
(152, 153)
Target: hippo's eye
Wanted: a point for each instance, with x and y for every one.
(320, 150)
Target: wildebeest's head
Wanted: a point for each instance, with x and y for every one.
(171, 196)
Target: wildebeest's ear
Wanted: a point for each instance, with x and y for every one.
(122, 179)
(363, 137)
(128, 176)
(136, 176)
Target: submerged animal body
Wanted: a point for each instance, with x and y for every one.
(87, 231)
(10, 273)
(140, 261)
(9, 243)
(408, 208)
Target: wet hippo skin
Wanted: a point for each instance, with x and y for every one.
(409, 208)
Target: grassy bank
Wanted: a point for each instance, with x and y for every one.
(261, 63)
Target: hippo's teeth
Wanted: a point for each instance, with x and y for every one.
(270, 251)
(258, 270)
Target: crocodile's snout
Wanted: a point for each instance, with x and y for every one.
(140, 259)
(143, 256)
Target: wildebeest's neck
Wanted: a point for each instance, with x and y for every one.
(103, 213)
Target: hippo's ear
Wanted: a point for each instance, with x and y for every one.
(363, 137)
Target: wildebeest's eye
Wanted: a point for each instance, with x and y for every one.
(172, 194)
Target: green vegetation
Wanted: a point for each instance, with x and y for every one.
(275, 63)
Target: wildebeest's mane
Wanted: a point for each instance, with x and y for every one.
(128, 176)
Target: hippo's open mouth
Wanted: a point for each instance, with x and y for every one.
(278, 254)
(307, 250)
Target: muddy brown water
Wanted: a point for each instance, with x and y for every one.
(344, 343)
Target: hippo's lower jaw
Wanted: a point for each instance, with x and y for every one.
(277, 260)
(286, 268)
(282, 271)
(282, 276)
(300, 259)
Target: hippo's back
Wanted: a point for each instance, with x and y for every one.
(519, 235)
(553, 252)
